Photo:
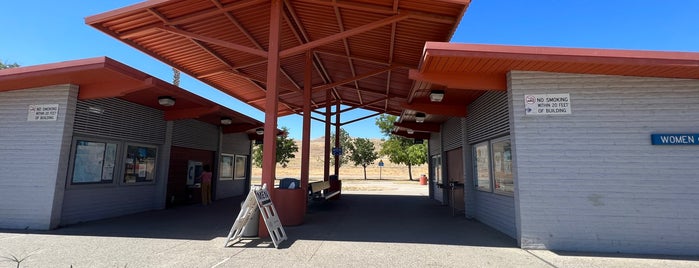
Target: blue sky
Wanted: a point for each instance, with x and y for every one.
(38, 32)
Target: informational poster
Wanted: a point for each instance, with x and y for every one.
(547, 104)
(89, 157)
(240, 166)
(43, 112)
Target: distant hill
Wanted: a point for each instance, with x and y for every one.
(349, 171)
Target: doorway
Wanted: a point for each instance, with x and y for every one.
(455, 176)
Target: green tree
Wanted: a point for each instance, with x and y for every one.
(286, 147)
(363, 153)
(5, 65)
(345, 144)
(398, 149)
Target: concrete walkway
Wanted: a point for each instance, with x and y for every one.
(401, 228)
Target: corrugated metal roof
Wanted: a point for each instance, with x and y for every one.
(103, 77)
(224, 44)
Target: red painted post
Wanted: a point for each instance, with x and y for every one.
(269, 153)
(306, 139)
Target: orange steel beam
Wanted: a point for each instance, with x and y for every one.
(215, 11)
(196, 42)
(254, 41)
(365, 59)
(269, 161)
(355, 78)
(346, 44)
(341, 35)
(206, 39)
(440, 108)
(423, 127)
(474, 81)
(363, 105)
(298, 30)
(359, 119)
(385, 10)
(189, 113)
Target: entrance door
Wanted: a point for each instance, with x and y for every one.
(455, 174)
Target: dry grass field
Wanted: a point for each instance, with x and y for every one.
(390, 171)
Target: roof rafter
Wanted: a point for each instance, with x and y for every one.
(345, 34)
(355, 78)
(226, 44)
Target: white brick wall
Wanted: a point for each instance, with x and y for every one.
(31, 163)
(591, 181)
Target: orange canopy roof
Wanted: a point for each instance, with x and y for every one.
(361, 49)
(465, 71)
(106, 78)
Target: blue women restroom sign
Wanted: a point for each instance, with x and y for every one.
(674, 139)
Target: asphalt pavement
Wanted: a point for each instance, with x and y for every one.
(383, 224)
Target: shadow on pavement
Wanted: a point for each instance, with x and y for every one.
(363, 218)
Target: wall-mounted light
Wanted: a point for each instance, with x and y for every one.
(95, 109)
(260, 131)
(410, 131)
(436, 95)
(420, 117)
(166, 101)
(226, 121)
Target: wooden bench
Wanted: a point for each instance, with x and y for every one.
(320, 191)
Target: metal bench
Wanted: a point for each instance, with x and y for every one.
(320, 191)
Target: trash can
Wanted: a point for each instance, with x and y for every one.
(289, 183)
(252, 228)
(423, 180)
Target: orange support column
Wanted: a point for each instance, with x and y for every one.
(326, 169)
(306, 136)
(269, 152)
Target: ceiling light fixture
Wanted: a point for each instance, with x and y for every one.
(166, 101)
(436, 95)
(410, 131)
(420, 117)
(226, 121)
(260, 131)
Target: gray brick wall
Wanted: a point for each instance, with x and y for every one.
(591, 181)
(239, 144)
(31, 156)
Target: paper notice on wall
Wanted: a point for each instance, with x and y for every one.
(547, 104)
(43, 112)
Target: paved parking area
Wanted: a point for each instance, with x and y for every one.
(393, 227)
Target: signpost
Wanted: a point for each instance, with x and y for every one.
(380, 168)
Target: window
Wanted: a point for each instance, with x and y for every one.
(502, 166)
(482, 166)
(493, 166)
(437, 169)
(94, 162)
(240, 167)
(140, 165)
(226, 168)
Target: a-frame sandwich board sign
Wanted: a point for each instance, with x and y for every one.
(258, 200)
